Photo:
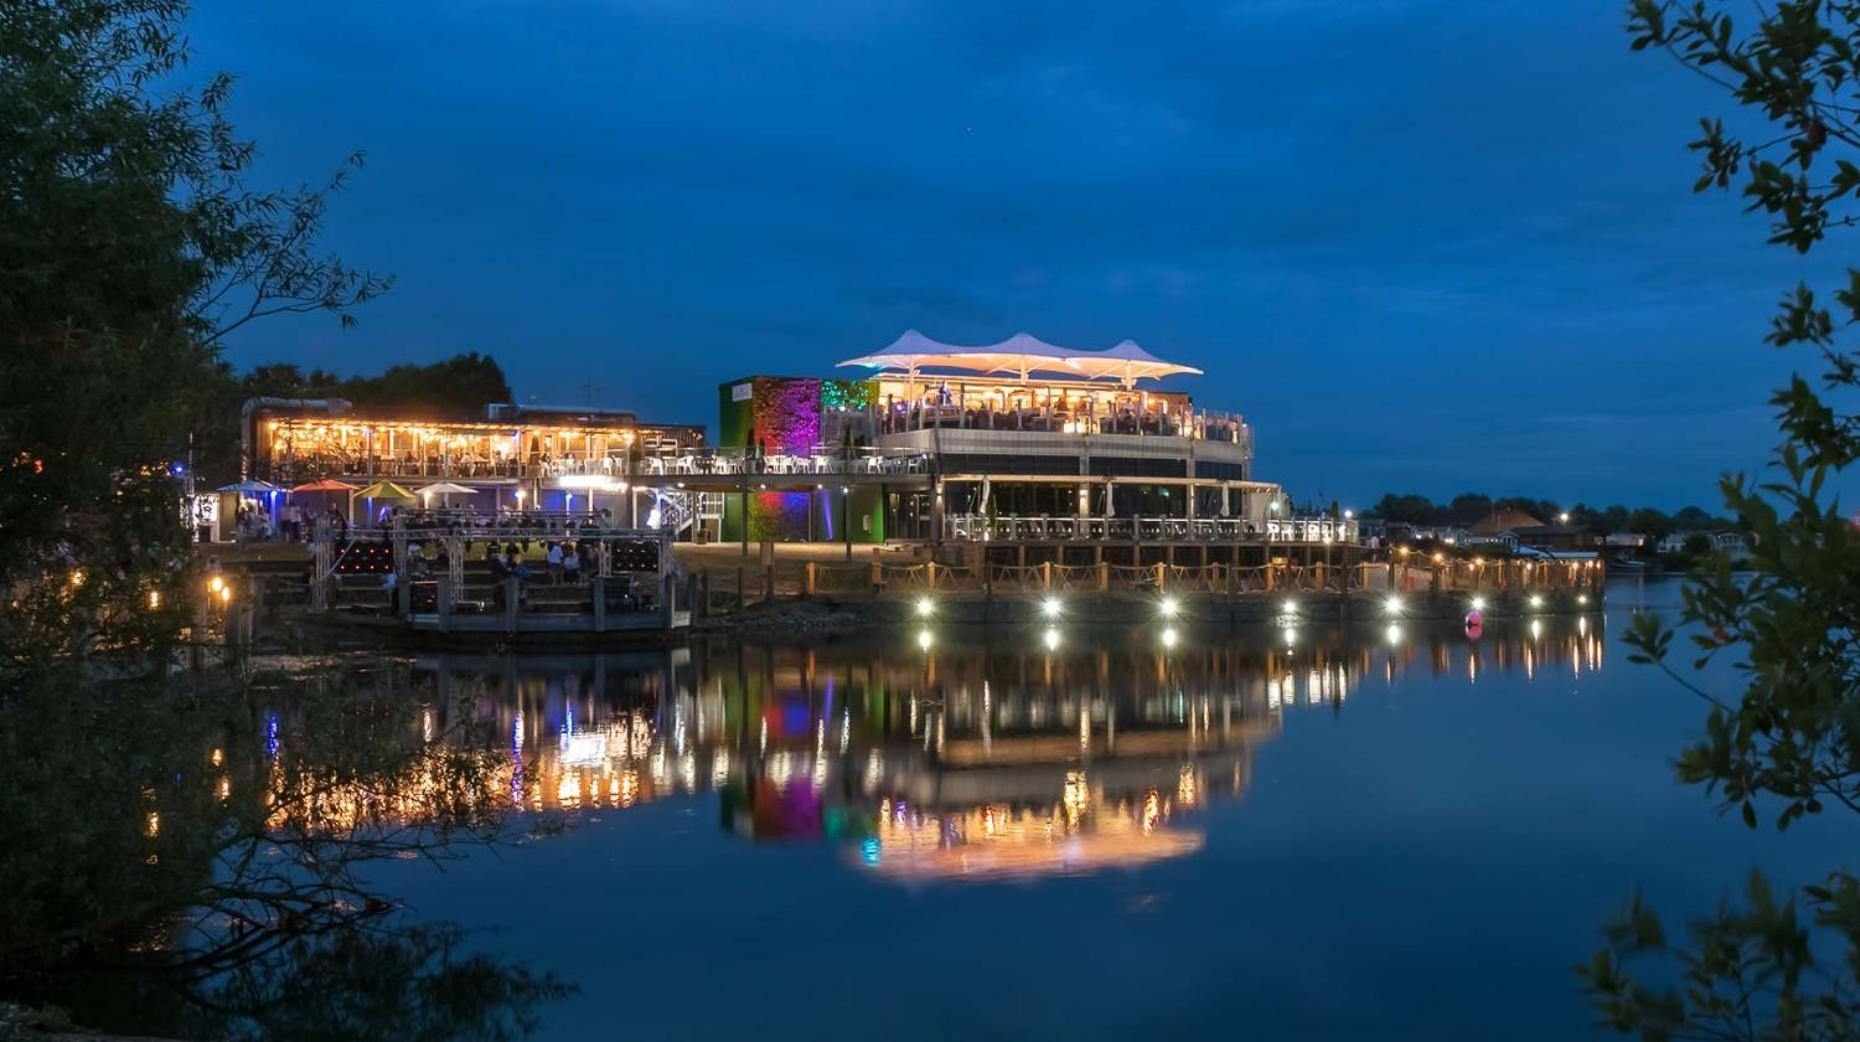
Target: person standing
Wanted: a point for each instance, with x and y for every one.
(571, 564)
(554, 559)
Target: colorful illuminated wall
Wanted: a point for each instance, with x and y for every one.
(794, 415)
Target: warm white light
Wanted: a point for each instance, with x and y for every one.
(1050, 607)
(1478, 604)
(1392, 605)
(925, 607)
(1582, 598)
(1051, 638)
(1563, 517)
(1349, 515)
(1169, 637)
(1169, 607)
(1291, 636)
(1536, 601)
(154, 599)
(1392, 634)
(215, 584)
(1291, 607)
(924, 639)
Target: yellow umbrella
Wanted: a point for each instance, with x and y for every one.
(378, 490)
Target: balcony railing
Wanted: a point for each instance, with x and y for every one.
(726, 461)
(1303, 531)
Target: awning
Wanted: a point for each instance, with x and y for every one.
(252, 488)
(448, 488)
(1022, 355)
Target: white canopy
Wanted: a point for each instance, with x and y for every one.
(1020, 355)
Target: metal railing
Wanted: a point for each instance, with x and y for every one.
(823, 463)
(1303, 531)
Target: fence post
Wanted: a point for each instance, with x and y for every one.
(1162, 571)
(1104, 576)
(1322, 584)
(1272, 576)
(930, 574)
(812, 580)
(1046, 575)
(598, 590)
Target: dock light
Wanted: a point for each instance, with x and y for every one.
(1536, 602)
(1349, 515)
(1169, 607)
(818, 486)
(520, 494)
(1392, 605)
(1050, 607)
(1440, 558)
(1169, 637)
(1478, 604)
(1291, 606)
(77, 577)
(924, 639)
(1563, 518)
(225, 595)
(844, 489)
(1479, 562)
(1582, 598)
(1402, 550)
(154, 599)
(215, 584)
(1051, 638)
(925, 607)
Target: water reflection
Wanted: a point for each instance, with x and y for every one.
(936, 753)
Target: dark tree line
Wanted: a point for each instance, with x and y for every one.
(1470, 507)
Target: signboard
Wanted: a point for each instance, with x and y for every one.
(742, 392)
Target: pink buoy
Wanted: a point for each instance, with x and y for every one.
(1475, 623)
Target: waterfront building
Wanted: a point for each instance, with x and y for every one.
(1015, 444)
(515, 457)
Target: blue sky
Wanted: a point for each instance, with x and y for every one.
(1427, 246)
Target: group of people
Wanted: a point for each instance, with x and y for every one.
(293, 526)
(563, 562)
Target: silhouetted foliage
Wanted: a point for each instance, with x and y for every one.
(1793, 734)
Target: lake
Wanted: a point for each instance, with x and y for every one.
(1275, 832)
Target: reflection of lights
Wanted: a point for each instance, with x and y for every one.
(1392, 606)
(215, 585)
(1152, 810)
(153, 828)
(1537, 628)
(1187, 786)
(869, 849)
(925, 607)
(216, 757)
(1291, 607)
(584, 750)
(1291, 636)
(1050, 607)
(1392, 634)
(77, 577)
(1051, 638)
(924, 639)
(1582, 626)
(1169, 607)
(154, 599)
(720, 768)
(1077, 798)
(1170, 637)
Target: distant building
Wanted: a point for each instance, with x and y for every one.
(1731, 543)
(1502, 521)
(1558, 537)
(1625, 540)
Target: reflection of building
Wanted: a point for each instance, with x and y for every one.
(991, 760)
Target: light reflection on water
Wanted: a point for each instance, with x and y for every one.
(938, 753)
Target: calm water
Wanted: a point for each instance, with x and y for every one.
(1361, 834)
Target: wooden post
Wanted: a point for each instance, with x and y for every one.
(1104, 573)
(812, 579)
(513, 591)
(1162, 573)
(443, 602)
(1046, 575)
(598, 589)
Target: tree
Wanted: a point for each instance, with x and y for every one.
(1468, 507)
(130, 246)
(1791, 738)
(1408, 509)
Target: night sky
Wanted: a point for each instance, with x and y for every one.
(1421, 246)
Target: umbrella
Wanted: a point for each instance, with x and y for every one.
(445, 489)
(383, 490)
(325, 485)
(252, 487)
